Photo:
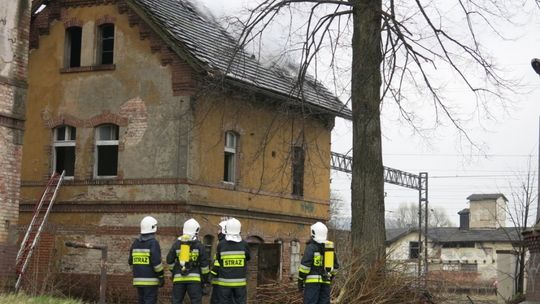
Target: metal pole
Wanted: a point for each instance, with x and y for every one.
(420, 227)
(426, 215)
(538, 178)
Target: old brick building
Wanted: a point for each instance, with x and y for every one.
(144, 107)
(14, 29)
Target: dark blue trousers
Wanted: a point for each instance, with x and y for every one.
(147, 295)
(194, 291)
(232, 295)
(315, 293)
(214, 299)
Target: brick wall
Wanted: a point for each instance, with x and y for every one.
(532, 240)
(14, 30)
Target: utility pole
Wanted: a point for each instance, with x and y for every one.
(535, 63)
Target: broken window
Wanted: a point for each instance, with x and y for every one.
(298, 158)
(64, 150)
(106, 43)
(414, 250)
(73, 46)
(106, 157)
(229, 167)
(295, 258)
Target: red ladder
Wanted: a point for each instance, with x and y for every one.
(41, 212)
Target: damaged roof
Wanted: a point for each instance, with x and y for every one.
(216, 51)
(454, 234)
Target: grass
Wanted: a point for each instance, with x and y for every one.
(25, 299)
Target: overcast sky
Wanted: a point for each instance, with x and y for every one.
(455, 171)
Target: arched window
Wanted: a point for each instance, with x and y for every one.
(106, 43)
(106, 151)
(73, 43)
(229, 167)
(64, 150)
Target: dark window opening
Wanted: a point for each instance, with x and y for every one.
(107, 160)
(64, 150)
(65, 160)
(458, 245)
(469, 267)
(298, 171)
(414, 250)
(73, 46)
(107, 150)
(107, 43)
(228, 166)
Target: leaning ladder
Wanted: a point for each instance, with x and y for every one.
(41, 212)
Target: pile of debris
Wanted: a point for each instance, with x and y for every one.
(278, 292)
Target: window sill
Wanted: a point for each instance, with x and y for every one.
(91, 68)
(229, 185)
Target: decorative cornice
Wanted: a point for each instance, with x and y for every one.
(168, 207)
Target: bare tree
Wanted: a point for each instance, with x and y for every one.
(406, 216)
(518, 211)
(393, 47)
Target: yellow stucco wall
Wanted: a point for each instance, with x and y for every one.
(264, 157)
(168, 136)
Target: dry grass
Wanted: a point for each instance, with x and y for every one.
(24, 299)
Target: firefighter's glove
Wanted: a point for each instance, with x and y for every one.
(161, 281)
(300, 285)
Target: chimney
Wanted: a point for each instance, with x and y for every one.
(487, 211)
(464, 219)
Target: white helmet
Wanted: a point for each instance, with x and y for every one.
(319, 232)
(232, 230)
(148, 225)
(191, 227)
(222, 225)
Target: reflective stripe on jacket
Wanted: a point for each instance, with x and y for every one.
(311, 268)
(197, 269)
(232, 260)
(145, 257)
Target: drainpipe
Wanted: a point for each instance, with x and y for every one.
(103, 266)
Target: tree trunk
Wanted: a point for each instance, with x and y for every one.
(368, 231)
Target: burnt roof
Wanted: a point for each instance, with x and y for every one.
(488, 196)
(216, 51)
(454, 234)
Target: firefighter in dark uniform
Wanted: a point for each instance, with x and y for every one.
(189, 263)
(214, 299)
(232, 255)
(145, 257)
(318, 267)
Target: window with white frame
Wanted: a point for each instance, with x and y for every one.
(106, 151)
(64, 150)
(229, 167)
(295, 257)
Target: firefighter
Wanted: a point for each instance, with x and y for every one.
(232, 255)
(189, 263)
(318, 267)
(214, 299)
(145, 257)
